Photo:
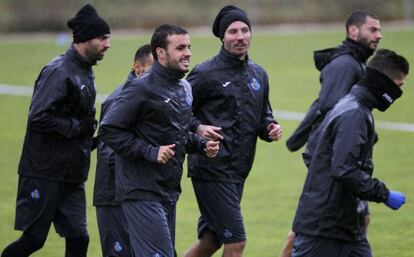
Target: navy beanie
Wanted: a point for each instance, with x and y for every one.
(226, 16)
(87, 24)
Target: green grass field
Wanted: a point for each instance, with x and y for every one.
(275, 182)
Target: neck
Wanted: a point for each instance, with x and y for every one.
(361, 51)
(242, 58)
(166, 71)
(81, 50)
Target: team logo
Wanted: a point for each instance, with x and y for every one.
(254, 84)
(35, 194)
(156, 255)
(388, 98)
(225, 84)
(227, 233)
(167, 100)
(118, 247)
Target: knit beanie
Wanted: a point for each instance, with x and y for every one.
(226, 16)
(87, 24)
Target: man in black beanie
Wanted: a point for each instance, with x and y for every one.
(56, 153)
(327, 222)
(231, 104)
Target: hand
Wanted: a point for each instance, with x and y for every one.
(212, 148)
(209, 132)
(395, 200)
(165, 153)
(275, 131)
(87, 126)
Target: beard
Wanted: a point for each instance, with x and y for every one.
(95, 56)
(366, 42)
(175, 64)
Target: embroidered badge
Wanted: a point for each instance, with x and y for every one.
(254, 84)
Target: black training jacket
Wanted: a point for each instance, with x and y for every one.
(234, 95)
(338, 175)
(150, 111)
(104, 188)
(340, 68)
(64, 93)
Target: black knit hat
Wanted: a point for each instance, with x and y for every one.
(87, 24)
(226, 16)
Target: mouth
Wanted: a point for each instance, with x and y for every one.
(374, 44)
(185, 62)
(240, 47)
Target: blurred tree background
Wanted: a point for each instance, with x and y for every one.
(51, 15)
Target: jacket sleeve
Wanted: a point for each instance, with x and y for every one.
(48, 102)
(117, 125)
(337, 78)
(350, 136)
(198, 88)
(301, 134)
(195, 143)
(266, 116)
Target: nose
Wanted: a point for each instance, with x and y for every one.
(239, 35)
(107, 44)
(379, 35)
(188, 53)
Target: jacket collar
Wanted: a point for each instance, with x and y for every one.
(365, 95)
(79, 59)
(360, 51)
(165, 72)
(131, 76)
(227, 57)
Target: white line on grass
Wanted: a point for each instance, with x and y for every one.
(284, 115)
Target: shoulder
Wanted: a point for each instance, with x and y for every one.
(344, 61)
(58, 64)
(256, 67)
(138, 85)
(350, 112)
(113, 95)
(209, 65)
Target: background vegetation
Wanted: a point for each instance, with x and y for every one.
(51, 15)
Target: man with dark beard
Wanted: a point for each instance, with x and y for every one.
(148, 128)
(56, 152)
(341, 67)
(327, 221)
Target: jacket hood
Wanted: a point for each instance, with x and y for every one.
(348, 46)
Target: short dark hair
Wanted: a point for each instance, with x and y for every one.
(142, 53)
(160, 35)
(390, 63)
(358, 18)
